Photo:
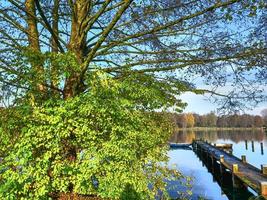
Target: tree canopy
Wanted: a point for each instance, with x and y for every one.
(49, 48)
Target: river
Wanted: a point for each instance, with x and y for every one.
(204, 184)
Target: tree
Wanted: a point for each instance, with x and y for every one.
(222, 121)
(264, 115)
(190, 120)
(197, 119)
(51, 52)
(264, 112)
(69, 67)
(258, 121)
(95, 144)
(184, 120)
(211, 119)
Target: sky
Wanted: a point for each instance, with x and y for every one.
(201, 105)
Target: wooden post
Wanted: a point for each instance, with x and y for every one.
(221, 158)
(212, 162)
(264, 188)
(262, 149)
(252, 145)
(235, 168)
(246, 144)
(221, 165)
(244, 159)
(237, 183)
(264, 169)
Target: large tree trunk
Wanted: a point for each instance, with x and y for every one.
(54, 79)
(34, 45)
(74, 84)
(77, 45)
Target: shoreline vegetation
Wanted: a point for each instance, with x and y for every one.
(219, 128)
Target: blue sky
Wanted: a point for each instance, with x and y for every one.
(200, 104)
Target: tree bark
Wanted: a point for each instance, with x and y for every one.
(54, 72)
(34, 45)
(77, 45)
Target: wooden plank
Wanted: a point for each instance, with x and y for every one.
(223, 146)
(248, 174)
(177, 145)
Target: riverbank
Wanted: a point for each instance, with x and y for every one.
(219, 129)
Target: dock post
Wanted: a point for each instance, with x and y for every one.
(235, 168)
(221, 165)
(252, 145)
(221, 158)
(244, 159)
(262, 149)
(246, 144)
(264, 188)
(212, 161)
(236, 182)
(264, 169)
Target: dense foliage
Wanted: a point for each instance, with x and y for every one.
(99, 143)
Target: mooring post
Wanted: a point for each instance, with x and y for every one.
(262, 149)
(252, 145)
(235, 168)
(264, 169)
(221, 165)
(246, 143)
(212, 161)
(236, 182)
(207, 154)
(264, 188)
(221, 158)
(244, 159)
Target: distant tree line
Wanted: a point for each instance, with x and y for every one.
(187, 120)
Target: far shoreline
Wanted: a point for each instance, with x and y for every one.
(220, 129)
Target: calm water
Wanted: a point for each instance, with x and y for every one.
(205, 184)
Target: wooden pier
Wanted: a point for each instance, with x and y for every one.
(186, 146)
(243, 174)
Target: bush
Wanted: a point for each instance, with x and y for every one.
(107, 143)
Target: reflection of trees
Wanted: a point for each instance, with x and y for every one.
(235, 136)
(183, 137)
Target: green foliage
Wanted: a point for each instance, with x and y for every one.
(107, 142)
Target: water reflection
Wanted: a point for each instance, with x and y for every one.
(203, 183)
(213, 136)
(208, 182)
